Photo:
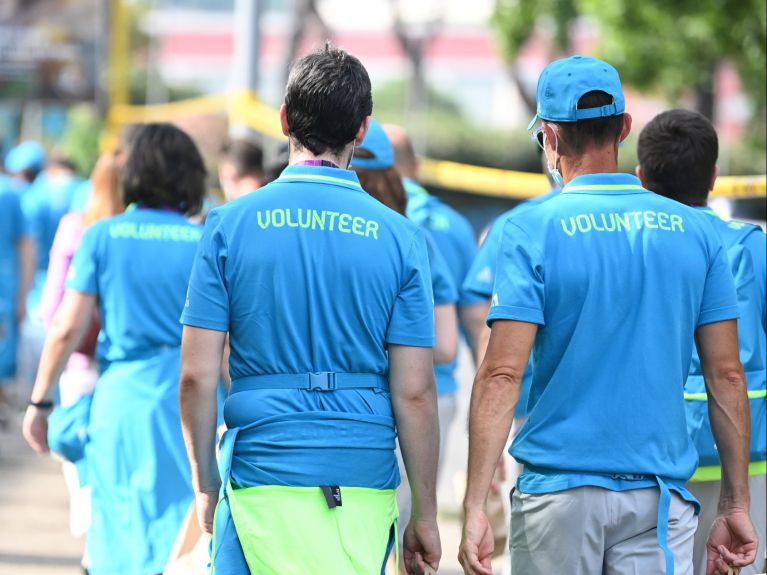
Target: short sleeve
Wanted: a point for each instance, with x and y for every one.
(719, 301)
(83, 272)
(412, 319)
(518, 293)
(481, 276)
(443, 286)
(207, 299)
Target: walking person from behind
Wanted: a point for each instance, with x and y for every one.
(326, 296)
(135, 268)
(608, 283)
(677, 154)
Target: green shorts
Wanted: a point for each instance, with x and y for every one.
(292, 530)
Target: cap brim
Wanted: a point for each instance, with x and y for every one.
(532, 122)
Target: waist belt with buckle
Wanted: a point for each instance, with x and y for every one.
(320, 381)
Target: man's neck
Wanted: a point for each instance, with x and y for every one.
(593, 161)
(303, 155)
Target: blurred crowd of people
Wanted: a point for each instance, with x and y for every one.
(95, 274)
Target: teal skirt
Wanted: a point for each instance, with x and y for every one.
(137, 466)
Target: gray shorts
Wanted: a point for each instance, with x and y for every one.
(595, 531)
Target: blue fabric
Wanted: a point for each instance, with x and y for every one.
(13, 228)
(481, 277)
(378, 144)
(81, 196)
(67, 429)
(618, 279)
(138, 265)
(443, 286)
(311, 274)
(746, 253)
(563, 82)
(44, 203)
(118, 261)
(29, 155)
(457, 243)
(137, 465)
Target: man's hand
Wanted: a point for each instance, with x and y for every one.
(477, 544)
(732, 542)
(422, 547)
(205, 502)
(35, 428)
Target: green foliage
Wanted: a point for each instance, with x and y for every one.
(656, 44)
(515, 20)
(80, 141)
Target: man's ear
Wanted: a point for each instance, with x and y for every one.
(284, 119)
(362, 132)
(626, 130)
(640, 174)
(714, 176)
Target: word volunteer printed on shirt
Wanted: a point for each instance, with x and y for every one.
(318, 220)
(152, 231)
(622, 222)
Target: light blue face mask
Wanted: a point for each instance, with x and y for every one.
(556, 175)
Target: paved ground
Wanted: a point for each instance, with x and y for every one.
(34, 513)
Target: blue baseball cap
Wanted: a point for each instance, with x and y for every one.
(563, 82)
(29, 155)
(377, 143)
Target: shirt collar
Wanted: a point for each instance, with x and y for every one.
(320, 175)
(599, 184)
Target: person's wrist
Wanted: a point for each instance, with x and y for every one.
(41, 404)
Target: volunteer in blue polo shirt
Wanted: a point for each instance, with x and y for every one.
(326, 296)
(677, 154)
(16, 273)
(455, 239)
(374, 164)
(609, 283)
(134, 267)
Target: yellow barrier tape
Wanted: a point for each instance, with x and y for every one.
(244, 107)
(481, 180)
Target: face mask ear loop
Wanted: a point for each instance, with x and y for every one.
(349, 163)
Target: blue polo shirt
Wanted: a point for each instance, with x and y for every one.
(443, 286)
(137, 264)
(481, 276)
(311, 274)
(457, 243)
(745, 250)
(13, 227)
(618, 279)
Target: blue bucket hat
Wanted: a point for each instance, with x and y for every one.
(29, 155)
(563, 82)
(377, 143)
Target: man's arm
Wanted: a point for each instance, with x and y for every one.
(472, 318)
(446, 333)
(414, 398)
(732, 541)
(202, 352)
(493, 401)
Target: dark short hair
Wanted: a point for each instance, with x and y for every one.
(246, 156)
(577, 136)
(164, 168)
(384, 185)
(327, 98)
(677, 151)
